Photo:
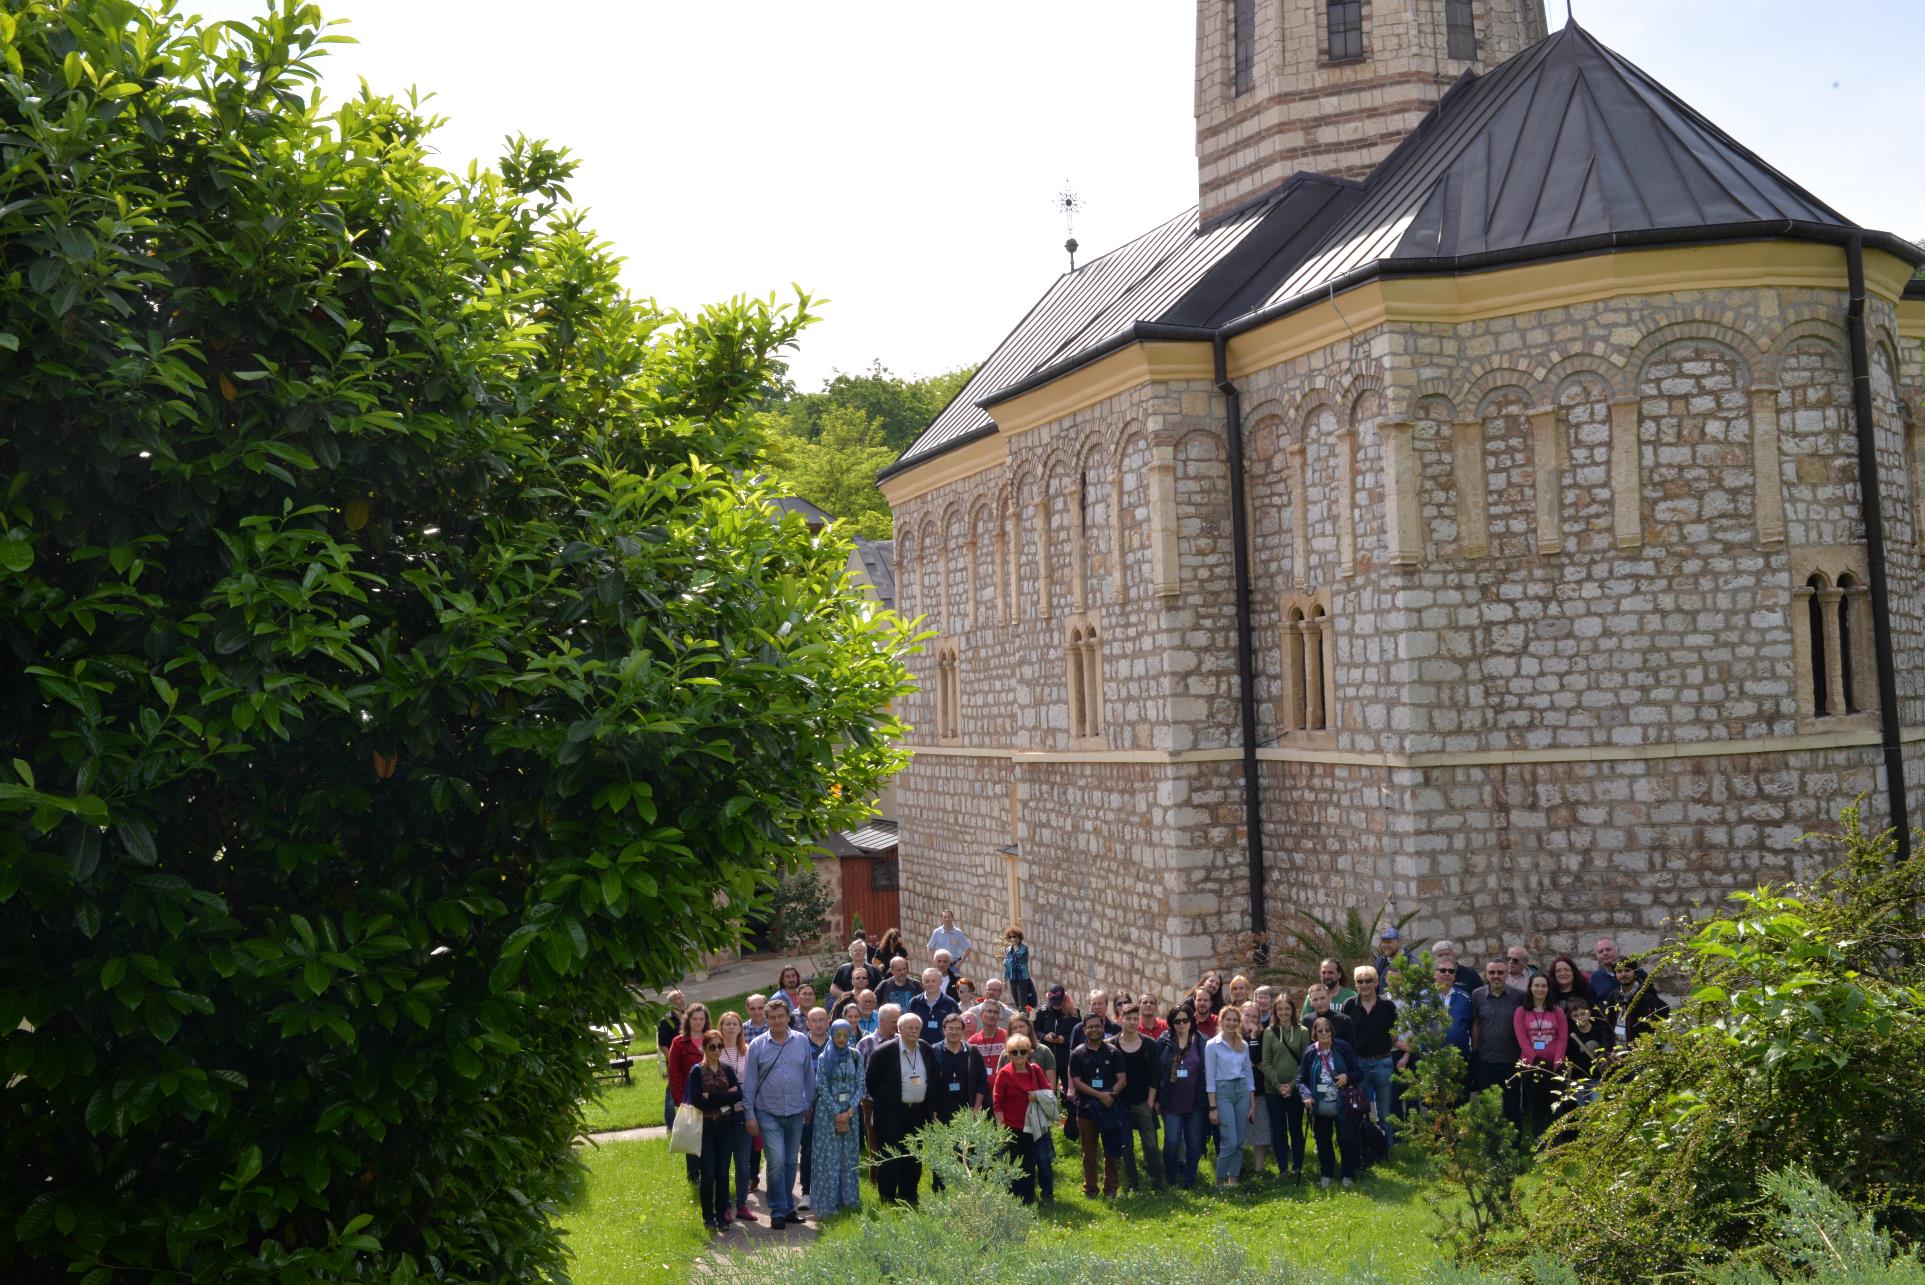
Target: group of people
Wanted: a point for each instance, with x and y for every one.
(1232, 1067)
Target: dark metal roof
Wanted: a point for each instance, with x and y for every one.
(1567, 140)
(1102, 303)
(809, 513)
(879, 564)
(1566, 148)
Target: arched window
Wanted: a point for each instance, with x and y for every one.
(1345, 19)
(1460, 29)
(1244, 43)
(1293, 693)
(1073, 659)
(1092, 684)
(948, 692)
(1316, 668)
(1820, 669)
(1847, 604)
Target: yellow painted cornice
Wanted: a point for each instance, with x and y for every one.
(1477, 296)
(1158, 361)
(951, 466)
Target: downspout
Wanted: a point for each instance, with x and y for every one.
(1246, 648)
(1869, 498)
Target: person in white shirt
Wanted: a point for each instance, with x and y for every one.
(950, 938)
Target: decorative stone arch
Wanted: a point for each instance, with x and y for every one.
(1313, 399)
(1693, 327)
(985, 551)
(1448, 388)
(1056, 471)
(1269, 480)
(1263, 428)
(958, 582)
(1581, 365)
(1091, 458)
(1083, 664)
(948, 692)
(1828, 330)
(1368, 384)
(1836, 679)
(908, 574)
(1308, 664)
(1490, 379)
(1130, 434)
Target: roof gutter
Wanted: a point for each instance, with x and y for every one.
(1246, 647)
(1874, 515)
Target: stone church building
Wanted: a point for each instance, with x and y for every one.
(1489, 499)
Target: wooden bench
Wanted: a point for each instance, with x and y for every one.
(616, 1063)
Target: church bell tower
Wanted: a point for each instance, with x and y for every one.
(1331, 85)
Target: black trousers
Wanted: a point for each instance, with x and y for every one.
(1345, 1127)
(1286, 1131)
(1022, 1149)
(897, 1176)
(718, 1154)
(1486, 1075)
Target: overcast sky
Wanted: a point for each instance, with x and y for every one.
(900, 159)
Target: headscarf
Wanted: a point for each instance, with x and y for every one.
(834, 1056)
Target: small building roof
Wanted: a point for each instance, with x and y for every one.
(1565, 148)
(877, 836)
(879, 564)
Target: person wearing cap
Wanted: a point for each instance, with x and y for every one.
(1391, 953)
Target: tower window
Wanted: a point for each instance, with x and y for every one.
(1460, 28)
(1346, 22)
(1244, 18)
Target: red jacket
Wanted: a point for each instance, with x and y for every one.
(1011, 1092)
(684, 1055)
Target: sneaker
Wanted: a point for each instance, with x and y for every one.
(802, 1205)
(1348, 1183)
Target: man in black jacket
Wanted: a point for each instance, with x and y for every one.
(900, 1082)
(1057, 1025)
(958, 1080)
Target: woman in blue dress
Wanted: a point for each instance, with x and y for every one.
(835, 1161)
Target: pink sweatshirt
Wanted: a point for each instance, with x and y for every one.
(1541, 1036)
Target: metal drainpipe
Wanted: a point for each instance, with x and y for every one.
(1246, 649)
(1868, 490)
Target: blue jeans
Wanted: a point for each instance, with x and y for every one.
(1233, 1124)
(1046, 1165)
(1183, 1145)
(744, 1165)
(782, 1144)
(1382, 1090)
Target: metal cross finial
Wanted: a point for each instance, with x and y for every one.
(1068, 204)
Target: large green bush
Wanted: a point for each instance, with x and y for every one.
(1799, 1045)
(395, 664)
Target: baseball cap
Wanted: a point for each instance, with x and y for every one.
(1390, 934)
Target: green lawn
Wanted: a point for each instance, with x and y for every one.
(629, 1106)
(637, 1219)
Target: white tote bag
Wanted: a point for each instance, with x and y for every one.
(685, 1138)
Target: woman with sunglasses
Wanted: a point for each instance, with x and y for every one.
(715, 1091)
(1010, 1094)
(1045, 1061)
(1179, 1098)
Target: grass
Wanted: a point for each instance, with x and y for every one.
(636, 1218)
(1386, 1221)
(629, 1106)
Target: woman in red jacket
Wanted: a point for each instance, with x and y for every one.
(1542, 1031)
(1009, 1092)
(684, 1055)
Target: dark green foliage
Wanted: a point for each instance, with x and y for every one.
(1800, 1045)
(797, 907)
(394, 668)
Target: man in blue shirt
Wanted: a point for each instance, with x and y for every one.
(778, 1090)
(952, 939)
(932, 1006)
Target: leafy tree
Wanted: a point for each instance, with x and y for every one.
(397, 665)
(1798, 1046)
(835, 471)
(899, 408)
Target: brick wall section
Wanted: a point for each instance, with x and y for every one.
(1305, 112)
(1619, 643)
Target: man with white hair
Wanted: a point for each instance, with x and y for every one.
(898, 1083)
(932, 1006)
(945, 964)
(992, 996)
(1444, 951)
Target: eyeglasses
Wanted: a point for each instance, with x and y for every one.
(1020, 1053)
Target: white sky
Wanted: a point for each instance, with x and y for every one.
(900, 159)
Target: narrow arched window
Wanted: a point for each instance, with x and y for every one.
(1820, 686)
(1073, 661)
(1293, 691)
(1847, 604)
(1460, 29)
(1092, 684)
(1345, 19)
(1244, 42)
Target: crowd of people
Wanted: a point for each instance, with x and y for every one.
(802, 1086)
